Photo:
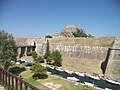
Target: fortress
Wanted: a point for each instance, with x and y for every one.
(105, 51)
(68, 30)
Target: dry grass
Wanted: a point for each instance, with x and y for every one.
(75, 64)
(90, 66)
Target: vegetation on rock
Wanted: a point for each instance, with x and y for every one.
(48, 36)
(80, 34)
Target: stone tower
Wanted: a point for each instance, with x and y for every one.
(113, 66)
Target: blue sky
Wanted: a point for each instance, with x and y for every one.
(28, 18)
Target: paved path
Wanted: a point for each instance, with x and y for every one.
(2, 88)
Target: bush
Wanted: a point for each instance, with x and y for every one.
(29, 53)
(39, 76)
(17, 70)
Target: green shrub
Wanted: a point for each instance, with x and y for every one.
(57, 58)
(40, 59)
(39, 71)
(29, 53)
(54, 58)
(49, 59)
(80, 34)
(39, 76)
(47, 54)
(17, 70)
(34, 55)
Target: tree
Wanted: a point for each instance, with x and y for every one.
(49, 59)
(48, 36)
(34, 55)
(47, 50)
(39, 71)
(47, 54)
(56, 57)
(8, 49)
(40, 59)
(79, 34)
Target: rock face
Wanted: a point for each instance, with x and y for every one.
(113, 66)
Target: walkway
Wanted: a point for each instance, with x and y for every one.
(2, 88)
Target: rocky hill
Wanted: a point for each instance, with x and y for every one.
(71, 30)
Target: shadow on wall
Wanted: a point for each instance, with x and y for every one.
(104, 63)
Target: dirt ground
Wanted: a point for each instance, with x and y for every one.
(90, 66)
(28, 58)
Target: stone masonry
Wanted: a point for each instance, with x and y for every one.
(113, 66)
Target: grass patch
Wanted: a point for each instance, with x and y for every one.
(32, 81)
(65, 84)
(27, 76)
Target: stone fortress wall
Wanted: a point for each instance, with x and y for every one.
(78, 51)
(84, 48)
(92, 48)
(106, 49)
(113, 66)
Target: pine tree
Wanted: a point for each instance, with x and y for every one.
(8, 49)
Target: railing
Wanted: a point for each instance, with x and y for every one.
(12, 82)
